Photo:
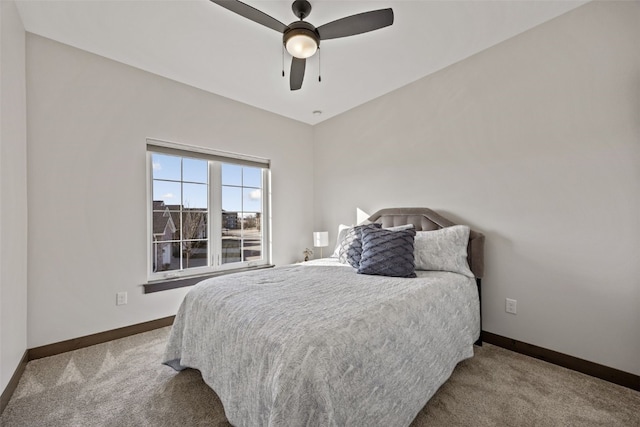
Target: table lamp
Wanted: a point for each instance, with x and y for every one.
(320, 240)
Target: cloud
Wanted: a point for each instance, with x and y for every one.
(168, 196)
(255, 195)
(156, 166)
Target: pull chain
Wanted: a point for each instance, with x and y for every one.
(283, 60)
(319, 68)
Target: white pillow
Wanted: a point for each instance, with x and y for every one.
(342, 232)
(443, 250)
(400, 227)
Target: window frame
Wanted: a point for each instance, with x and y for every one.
(214, 266)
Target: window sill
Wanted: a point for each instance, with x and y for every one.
(165, 285)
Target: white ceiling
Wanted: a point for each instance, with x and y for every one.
(201, 44)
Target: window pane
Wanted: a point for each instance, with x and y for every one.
(231, 237)
(195, 170)
(164, 226)
(231, 250)
(194, 253)
(167, 192)
(230, 222)
(252, 250)
(164, 258)
(251, 222)
(252, 200)
(251, 177)
(194, 196)
(232, 199)
(165, 167)
(194, 224)
(231, 174)
(252, 238)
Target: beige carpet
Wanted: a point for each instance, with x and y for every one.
(122, 383)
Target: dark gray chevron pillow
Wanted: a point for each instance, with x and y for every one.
(387, 252)
(351, 245)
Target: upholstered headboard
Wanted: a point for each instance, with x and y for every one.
(425, 219)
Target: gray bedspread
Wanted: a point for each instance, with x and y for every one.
(316, 344)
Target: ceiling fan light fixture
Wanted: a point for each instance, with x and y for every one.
(301, 40)
(301, 46)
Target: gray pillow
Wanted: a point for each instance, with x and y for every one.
(351, 245)
(387, 252)
(443, 250)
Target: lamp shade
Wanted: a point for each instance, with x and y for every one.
(320, 239)
(301, 46)
(301, 39)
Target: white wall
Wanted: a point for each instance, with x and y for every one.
(88, 120)
(13, 193)
(536, 143)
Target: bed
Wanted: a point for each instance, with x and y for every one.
(320, 344)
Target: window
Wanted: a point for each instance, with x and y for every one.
(208, 211)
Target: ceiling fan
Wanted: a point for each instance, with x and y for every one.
(302, 39)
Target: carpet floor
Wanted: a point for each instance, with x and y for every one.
(122, 383)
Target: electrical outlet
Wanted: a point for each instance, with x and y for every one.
(121, 298)
(511, 306)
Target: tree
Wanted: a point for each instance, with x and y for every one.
(194, 225)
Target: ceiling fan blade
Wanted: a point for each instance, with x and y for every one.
(297, 73)
(252, 13)
(356, 24)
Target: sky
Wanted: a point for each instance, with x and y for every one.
(183, 181)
